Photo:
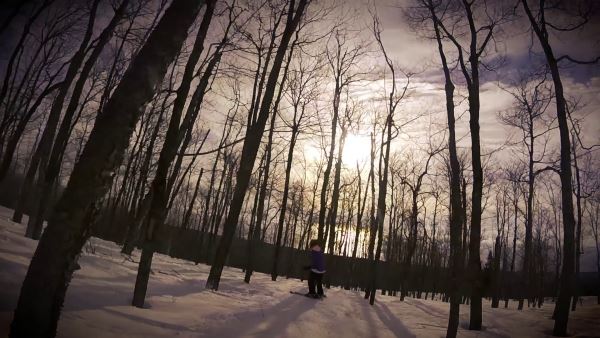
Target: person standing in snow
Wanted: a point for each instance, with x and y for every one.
(317, 270)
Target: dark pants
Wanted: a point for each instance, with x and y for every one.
(315, 279)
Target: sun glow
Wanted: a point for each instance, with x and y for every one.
(357, 148)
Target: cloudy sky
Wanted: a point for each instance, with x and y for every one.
(413, 51)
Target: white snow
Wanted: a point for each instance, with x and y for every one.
(97, 303)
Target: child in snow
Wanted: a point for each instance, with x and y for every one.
(317, 269)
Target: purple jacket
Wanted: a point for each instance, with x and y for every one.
(317, 261)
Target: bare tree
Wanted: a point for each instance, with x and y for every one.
(51, 268)
(479, 36)
(343, 57)
(302, 88)
(38, 80)
(540, 25)
(51, 170)
(532, 98)
(161, 188)
(390, 130)
(413, 179)
(252, 143)
(427, 10)
(257, 92)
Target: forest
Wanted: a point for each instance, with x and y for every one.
(438, 150)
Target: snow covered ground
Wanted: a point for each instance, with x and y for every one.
(97, 303)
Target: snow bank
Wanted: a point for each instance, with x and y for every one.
(97, 303)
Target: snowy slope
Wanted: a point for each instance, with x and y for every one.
(97, 303)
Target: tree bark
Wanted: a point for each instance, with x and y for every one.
(456, 211)
(566, 280)
(250, 148)
(160, 189)
(45, 285)
(52, 168)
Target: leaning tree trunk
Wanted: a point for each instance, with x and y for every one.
(45, 285)
(250, 148)
(327, 172)
(254, 228)
(566, 280)
(260, 211)
(41, 153)
(161, 189)
(45, 186)
(18, 49)
(288, 169)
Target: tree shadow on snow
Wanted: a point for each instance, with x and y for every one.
(392, 322)
(138, 319)
(265, 322)
(487, 330)
(367, 314)
(91, 294)
(8, 297)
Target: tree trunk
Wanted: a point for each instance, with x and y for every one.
(286, 189)
(255, 224)
(335, 195)
(566, 280)
(327, 173)
(188, 212)
(456, 211)
(578, 250)
(42, 152)
(250, 148)
(161, 189)
(372, 224)
(381, 199)
(55, 258)
(360, 213)
(52, 167)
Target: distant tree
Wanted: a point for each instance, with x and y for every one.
(390, 130)
(343, 59)
(414, 180)
(532, 98)
(302, 86)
